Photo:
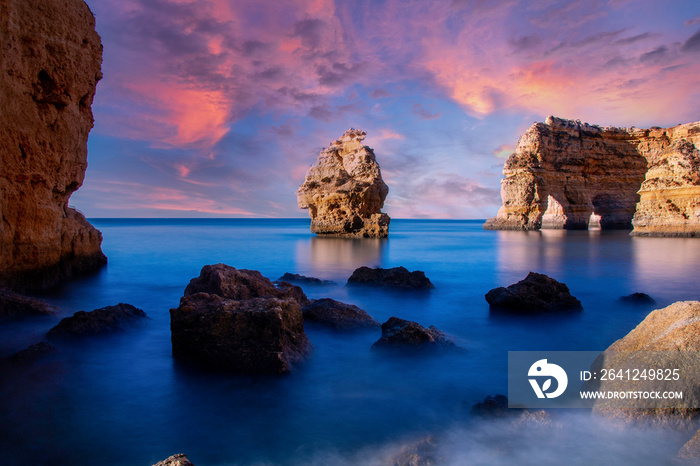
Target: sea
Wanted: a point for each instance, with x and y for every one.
(122, 400)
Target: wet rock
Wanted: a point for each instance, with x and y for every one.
(396, 277)
(337, 315)
(103, 320)
(399, 333)
(238, 321)
(175, 460)
(537, 293)
(493, 407)
(296, 278)
(32, 353)
(15, 305)
(638, 298)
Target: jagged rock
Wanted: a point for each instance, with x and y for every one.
(295, 277)
(666, 338)
(638, 298)
(344, 191)
(396, 277)
(690, 452)
(399, 333)
(237, 320)
(572, 175)
(16, 305)
(50, 65)
(32, 353)
(423, 452)
(536, 293)
(103, 320)
(340, 316)
(175, 460)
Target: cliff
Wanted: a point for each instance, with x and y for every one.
(49, 67)
(566, 174)
(344, 190)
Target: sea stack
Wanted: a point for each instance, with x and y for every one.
(49, 67)
(565, 174)
(344, 190)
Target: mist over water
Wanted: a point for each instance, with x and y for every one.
(121, 399)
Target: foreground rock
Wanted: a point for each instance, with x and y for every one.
(175, 460)
(667, 338)
(296, 278)
(238, 321)
(16, 305)
(396, 277)
(565, 174)
(537, 293)
(404, 334)
(690, 452)
(48, 72)
(423, 452)
(638, 298)
(496, 407)
(32, 353)
(337, 315)
(344, 191)
(103, 320)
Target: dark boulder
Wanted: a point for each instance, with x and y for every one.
(638, 298)
(340, 316)
(424, 452)
(537, 293)
(238, 321)
(400, 333)
(15, 305)
(296, 278)
(396, 277)
(103, 320)
(32, 353)
(494, 407)
(175, 460)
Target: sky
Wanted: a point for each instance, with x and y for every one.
(216, 108)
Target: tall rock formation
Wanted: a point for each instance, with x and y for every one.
(49, 67)
(566, 174)
(344, 190)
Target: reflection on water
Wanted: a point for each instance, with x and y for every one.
(672, 261)
(338, 257)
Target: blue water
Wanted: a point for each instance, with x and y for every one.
(122, 400)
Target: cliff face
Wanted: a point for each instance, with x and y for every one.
(49, 67)
(344, 190)
(565, 174)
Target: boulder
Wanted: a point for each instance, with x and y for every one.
(638, 298)
(537, 293)
(404, 334)
(175, 460)
(16, 305)
(296, 278)
(32, 353)
(496, 407)
(422, 452)
(238, 321)
(50, 65)
(396, 277)
(103, 320)
(337, 315)
(344, 191)
(690, 452)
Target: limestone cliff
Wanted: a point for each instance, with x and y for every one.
(344, 190)
(49, 67)
(566, 174)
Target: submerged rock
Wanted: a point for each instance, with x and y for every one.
(32, 353)
(103, 320)
(340, 316)
(16, 305)
(237, 320)
(496, 407)
(295, 277)
(537, 293)
(400, 333)
(638, 298)
(344, 191)
(51, 56)
(175, 460)
(396, 277)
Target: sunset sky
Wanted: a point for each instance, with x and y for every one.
(218, 107)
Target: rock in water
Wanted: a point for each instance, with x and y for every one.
(344, 190)
(340, 316)
(295, 277)
(238, 321)
(16, 305)
(103, 320)
(175, 460)
(399, 333)
(395, 277)
(690, 452)
(638, 298)
(565, 174)
(536, 293)
(50, 65)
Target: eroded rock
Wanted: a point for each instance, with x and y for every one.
(296, 278)
(344, 191)
(337, 315)
(103, 320)
(537, 293)
(395, 277)
(15, 305)
(405, 334)
(175, 460)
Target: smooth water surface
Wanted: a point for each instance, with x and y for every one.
(122, 400)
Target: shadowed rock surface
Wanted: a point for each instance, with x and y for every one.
(49, 68)
(400, 333)
(344, 191)
(638, 298)
(16, 305)
(565, 174)
(238, 321)
(103, 320)
(296, 278)
(396, 277)
(537, 293)
(175, 460)
(32, 353)
(338, 315)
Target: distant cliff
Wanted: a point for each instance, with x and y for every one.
(344, 190)
(566, 174)
(49, 67)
